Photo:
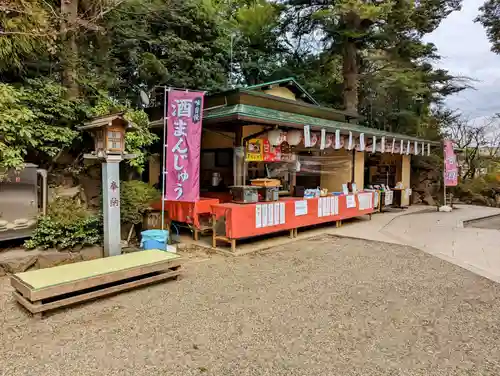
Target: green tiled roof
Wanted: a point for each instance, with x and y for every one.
(287, 118)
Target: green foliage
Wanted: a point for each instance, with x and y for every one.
(489, 18)
(26, 30)
(136, 197)
(136, 142)
(37, 119)
(67, 225)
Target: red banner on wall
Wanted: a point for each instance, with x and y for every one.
(183, 144)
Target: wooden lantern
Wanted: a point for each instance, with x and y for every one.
(108, 133)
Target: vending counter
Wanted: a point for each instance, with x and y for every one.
(233, 221)
(191, 213)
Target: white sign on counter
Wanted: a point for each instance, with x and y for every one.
(267, 215)
(258, 216)
(270, 214)
(328, 206)
(365, 200)
(300, 208)
(350, 201)
(389, 198)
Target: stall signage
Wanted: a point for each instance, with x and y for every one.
(271, 153)
(300, 208)
(184, 115)
(450, 165)
(255, 151)
(350, 201)
(267, 215)
(328, 206)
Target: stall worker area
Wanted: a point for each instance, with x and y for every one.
(272, 160)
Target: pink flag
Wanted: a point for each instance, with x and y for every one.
(450, 165)
(184, 117)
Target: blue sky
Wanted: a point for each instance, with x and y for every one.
(465, 51)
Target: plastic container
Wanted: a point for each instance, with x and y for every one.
(154, 239)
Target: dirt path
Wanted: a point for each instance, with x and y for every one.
(328, 306)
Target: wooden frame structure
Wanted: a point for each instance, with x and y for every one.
(106, 278)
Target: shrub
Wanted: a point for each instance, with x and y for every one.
(135, 198)
(67, 225)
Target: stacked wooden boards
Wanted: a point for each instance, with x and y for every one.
(45, 289)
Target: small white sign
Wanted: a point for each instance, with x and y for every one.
(345, 190)
(277, 213)
(270, 215)
(351, 201)
(282, 213)
(258, 216)
(320, 208)
(300, 208)
(365, 200)
(307, 136)
(328, 206)
(264, 216)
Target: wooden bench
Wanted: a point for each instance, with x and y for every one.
(46, 289)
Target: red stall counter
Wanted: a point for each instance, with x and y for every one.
(187, 212)
(233, 221)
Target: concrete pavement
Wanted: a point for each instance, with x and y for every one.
(440, 234)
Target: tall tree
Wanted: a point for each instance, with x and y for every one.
(489, 17)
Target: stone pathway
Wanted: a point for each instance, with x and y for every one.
(440, 234)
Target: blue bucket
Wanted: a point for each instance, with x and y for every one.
(154, 239)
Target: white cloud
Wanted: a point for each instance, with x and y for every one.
(465, 51)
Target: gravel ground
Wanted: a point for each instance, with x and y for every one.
(326, 306)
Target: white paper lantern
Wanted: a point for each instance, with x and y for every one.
(329, 140)
(275, 137)
(294, 137)
(315, 138)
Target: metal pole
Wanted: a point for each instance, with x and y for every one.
(444, 184)
(164, 148)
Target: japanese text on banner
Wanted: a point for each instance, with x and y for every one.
(185, 112)
(450, 165)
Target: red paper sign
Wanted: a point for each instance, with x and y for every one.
(184, 117)
(271, 153)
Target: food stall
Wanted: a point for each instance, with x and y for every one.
(274, 160)
(274, 203)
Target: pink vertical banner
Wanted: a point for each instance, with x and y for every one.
(184, 118)
(450, 165)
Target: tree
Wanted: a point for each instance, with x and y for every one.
(478, 142)
(489, 17)
(36, 122)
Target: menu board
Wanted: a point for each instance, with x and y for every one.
(365, 201)
(267, 215)
(351, 201)
(255, 152)
(328, 206)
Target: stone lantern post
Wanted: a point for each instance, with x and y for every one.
(109, 148)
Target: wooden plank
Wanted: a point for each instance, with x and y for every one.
(20, 286)
(38, 307)
(59, 275)
(82, 284)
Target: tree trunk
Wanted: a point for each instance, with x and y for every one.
(350, 64)
(69, 12)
